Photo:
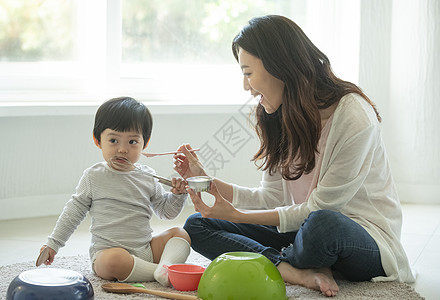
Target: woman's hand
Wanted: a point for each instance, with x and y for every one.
(222, 209)
(187, 163)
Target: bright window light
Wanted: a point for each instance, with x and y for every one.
(166, 51)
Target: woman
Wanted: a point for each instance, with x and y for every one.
(327, 195)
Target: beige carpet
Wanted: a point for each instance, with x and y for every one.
(348, 290)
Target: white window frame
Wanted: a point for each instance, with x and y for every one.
(96, 77)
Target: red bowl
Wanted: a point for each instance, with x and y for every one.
(185, 277)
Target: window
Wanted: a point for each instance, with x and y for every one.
(51, 50)
(177, 51)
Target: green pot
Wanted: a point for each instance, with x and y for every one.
(241, 276)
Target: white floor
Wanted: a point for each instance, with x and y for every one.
(21, 240)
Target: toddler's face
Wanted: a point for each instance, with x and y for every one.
(127, 145)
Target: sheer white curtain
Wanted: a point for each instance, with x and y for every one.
(400, 70)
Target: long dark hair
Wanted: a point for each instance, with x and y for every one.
(289, 137)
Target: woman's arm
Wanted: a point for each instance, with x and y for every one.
(261, 217)
(225, 189)
(224, 210)
(268, 195)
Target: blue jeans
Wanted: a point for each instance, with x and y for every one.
(325, 239)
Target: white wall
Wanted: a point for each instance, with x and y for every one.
(44, 153)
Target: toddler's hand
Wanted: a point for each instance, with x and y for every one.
(47, 255)
(178, 186)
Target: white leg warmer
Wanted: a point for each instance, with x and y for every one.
(176, 251)
(142, 271)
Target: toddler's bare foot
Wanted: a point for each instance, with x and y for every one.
(316, 279)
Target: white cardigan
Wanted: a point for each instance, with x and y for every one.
(355, 179)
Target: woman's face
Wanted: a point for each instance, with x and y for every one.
(259, 82)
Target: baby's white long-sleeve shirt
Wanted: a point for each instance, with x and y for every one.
(121, 205)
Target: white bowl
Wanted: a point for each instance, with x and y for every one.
(199, 183)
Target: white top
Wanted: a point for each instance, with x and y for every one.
(355, 179)
(121, 205)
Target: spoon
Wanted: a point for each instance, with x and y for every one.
(124, 288)
(120, 163)
(44, 255)
(166, 153)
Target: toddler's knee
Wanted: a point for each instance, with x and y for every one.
(179, 232)
(110, 261)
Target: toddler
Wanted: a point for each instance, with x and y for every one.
(121, 200)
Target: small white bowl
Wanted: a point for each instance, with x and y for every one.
(199, 183)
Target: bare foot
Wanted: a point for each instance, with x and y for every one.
(324, 282)
(316, 279)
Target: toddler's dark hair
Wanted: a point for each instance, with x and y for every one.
(123, 114)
